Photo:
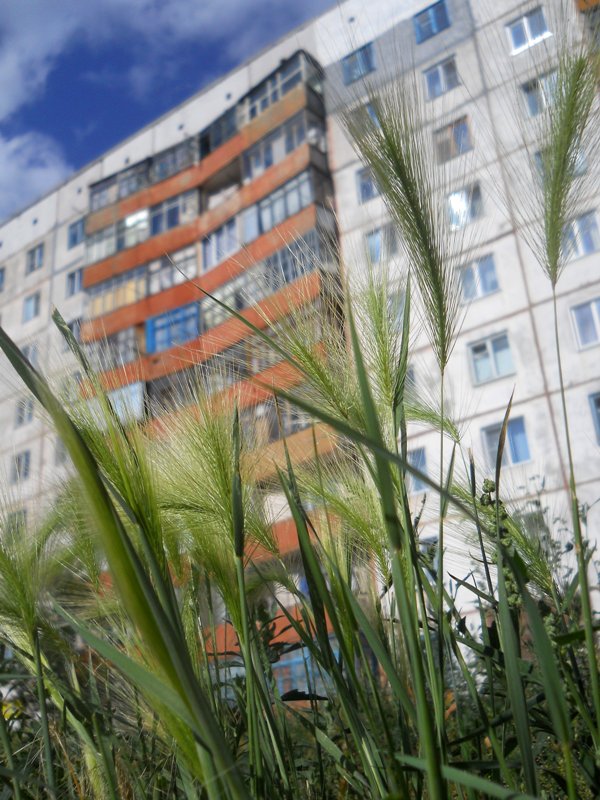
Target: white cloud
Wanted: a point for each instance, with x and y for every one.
(30, 165)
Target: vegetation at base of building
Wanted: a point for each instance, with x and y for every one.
(122, 682)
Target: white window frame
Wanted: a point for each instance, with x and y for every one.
(21, 467)
(415, 485)
(531, 40)
(575, 225)
(542, 86)
(496, 374)
(474, 266)
(34, 259)
(594, 304)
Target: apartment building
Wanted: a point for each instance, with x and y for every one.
(244, 188)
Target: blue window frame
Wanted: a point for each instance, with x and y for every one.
(173, 328)
(595, 406)
(431, 21)
(358, 64)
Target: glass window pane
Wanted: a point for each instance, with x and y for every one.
(502, 355)
(469, 283)
(487, 275)
(450, 74)
(434, 83)
(517, 441)
(537, 23)
(518, 35)
(482, 364)
(586, 326)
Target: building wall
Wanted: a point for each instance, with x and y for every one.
(490, 95)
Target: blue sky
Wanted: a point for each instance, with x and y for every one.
(77, 76)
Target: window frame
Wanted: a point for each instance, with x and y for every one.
(594, 305)
(507, 456)
(425, 31)
(531, 41)
(491, 356)
(417, 458)
(74, 282)
(360, 173)
(24, 411)
(34, 260)
(34, 297)
(541, 87)
(21, 472)
(475, 197)
(594, 400)
(474, 266)
(167, 326)
(358, 64)
(438, 69)
(76, 233)
(454, 138)
(578, 239)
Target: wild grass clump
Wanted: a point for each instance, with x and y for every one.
(198, 620)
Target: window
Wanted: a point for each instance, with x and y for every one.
(587, 322)
(478, 278)
(31, 353)
(441, 78)
(464, 206)
(452, 140)
(114, 351)
(173, 328)
(74, 282)
(103, 193)
(491, 358)
(367, 187)
(31, 307)
(2, 278)
(219, 244)
(262, 279)
(21, 465)
(274, 147)
(132, 180)
(579, 167)
(539, 93)
(581, 236)
(595, 405)
(171, 271)
(24, 412)
(285, 202)
(358, 64)
(173, 212)
(527, 30)
(119, 291)
(417, 459)
(431, 21)
(516, 447)
(75, 327)
(76, 233)
(382, 243)
(101, 244)
(35, 259)
(173, 160)
(132, 230)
